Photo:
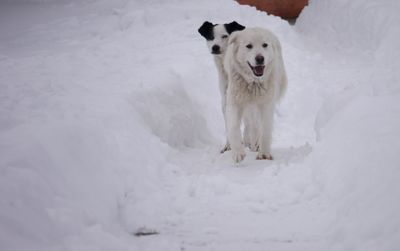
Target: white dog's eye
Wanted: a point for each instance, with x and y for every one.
(224, 36)
(264, 45)
(249, 46)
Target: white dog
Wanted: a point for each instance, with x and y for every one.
(217, 41)
(257, 78)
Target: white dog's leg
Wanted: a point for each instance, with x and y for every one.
(234, 116)
(251, 133)
(267, 113)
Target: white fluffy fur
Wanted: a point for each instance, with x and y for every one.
(221, 39)
(251, 96)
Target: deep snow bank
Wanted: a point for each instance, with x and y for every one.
(82, 153)
(356, 160)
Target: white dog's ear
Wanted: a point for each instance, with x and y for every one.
(233, 43)
(277, 45)
(233, 38)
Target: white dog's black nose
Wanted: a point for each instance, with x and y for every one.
(259, 60)
(216, 49)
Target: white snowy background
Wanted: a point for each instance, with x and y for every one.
(110, 124)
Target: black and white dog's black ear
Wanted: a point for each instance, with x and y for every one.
(234, 26)
(206, 30)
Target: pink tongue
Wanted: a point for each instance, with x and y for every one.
(259, 69)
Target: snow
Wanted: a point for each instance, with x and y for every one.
(110, 125)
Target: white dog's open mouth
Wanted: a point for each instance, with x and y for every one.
(258, 70)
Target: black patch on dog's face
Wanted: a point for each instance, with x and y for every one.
(206, 30)
(234, 26)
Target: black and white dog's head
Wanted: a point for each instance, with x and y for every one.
(217, 35)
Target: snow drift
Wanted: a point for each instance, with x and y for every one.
(357, 171)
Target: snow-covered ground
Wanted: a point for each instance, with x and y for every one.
(110, 125)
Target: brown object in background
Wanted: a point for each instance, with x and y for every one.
(287, 9)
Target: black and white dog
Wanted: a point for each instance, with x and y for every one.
(217, 36)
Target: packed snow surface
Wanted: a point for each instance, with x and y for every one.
(110, 130)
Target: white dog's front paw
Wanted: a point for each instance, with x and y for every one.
(261, 156)
(238, 156)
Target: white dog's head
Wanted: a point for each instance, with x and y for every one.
(254, 50)
(217, 35)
